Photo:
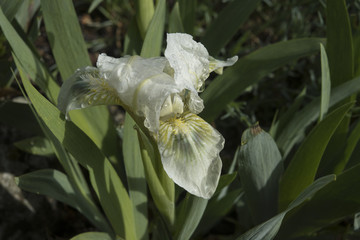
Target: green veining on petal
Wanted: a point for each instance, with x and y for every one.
(86, 88)
(190, 148)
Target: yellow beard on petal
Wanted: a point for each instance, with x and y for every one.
(184, 135)
(189, 149)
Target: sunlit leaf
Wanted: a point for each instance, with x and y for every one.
(112, 194)
(154, 35)
(135, 177)
(36, 145)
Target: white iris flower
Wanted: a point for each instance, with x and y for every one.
(163, 91)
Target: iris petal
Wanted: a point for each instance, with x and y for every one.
(189, 59)
(189, 149)
(86, 87)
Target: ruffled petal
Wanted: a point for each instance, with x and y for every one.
(86, 87)
(189, 149)
(141, 84)
(189, 59)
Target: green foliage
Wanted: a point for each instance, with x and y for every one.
(298, 182)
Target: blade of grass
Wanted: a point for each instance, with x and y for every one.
(65, 37)
(10, 7)
(30, 61)
(175, 22)
(325, 83)
(112, 194)
(339, 46)
(189, 214)
(49, 182)
(188, 15)
(251, 69)
(302, 169)
(330, 204)
(69, 49)
(144, 13)
(36, 145)
(154, 35)
(277, 128)
(230, 19)
(160, 185)
(92, 236)
(339, 49)
(351, 143)
(269, 229)
(82, 193)
(135, 177)
(293, 131)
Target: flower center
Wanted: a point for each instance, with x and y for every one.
(172, 107)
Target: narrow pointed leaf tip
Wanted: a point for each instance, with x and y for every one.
(163, 91)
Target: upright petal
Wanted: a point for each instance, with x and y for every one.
(189, 59)
(189, 149)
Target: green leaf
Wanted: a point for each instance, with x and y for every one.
(351, 143)
(144, 14)
(29, 60)
(293, 131)
(112, 194)
(260, 169)
(26, 12)
(64, 32)
(325, 83)
(216, 209)
(188, 15)
(251, 69)
(269, 229)
(10, 7)
(154, 35)
(36, 145)
(175, 22)
(92, 236)
(339, 46)
(332, 203)
(341, 62)
(188, 216)
(49, 182)
(132, 41)
(65, 37)
(135, 177)
(94, 4)
(302, 169)
(224, 181)
(230, 19)
(82, 193)
(160, 185)
(278, 126)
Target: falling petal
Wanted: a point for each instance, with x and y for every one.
(86, 88)
(189, 149)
